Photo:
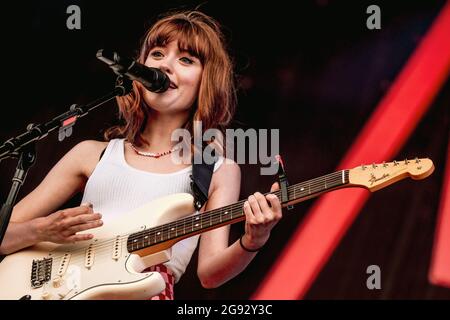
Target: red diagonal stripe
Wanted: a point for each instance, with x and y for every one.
(440, 265)
(391, 124)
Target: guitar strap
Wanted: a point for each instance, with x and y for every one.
(200, 181)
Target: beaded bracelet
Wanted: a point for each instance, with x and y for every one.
(247, 249)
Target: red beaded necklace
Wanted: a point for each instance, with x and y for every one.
(154, 154)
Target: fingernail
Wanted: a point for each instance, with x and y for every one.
(87, 204)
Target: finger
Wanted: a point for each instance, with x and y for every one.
(73, 212)
(83, 218)
(249, 217)
(256, 210)
(87, 204)
(265, 209)
(82, 227)
(275, 204)
(79, 237)
(275, 187)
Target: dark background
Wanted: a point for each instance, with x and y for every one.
(312, 69)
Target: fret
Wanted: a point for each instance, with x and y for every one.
(226, 215)
(160, 235)
(171, 229)
(141, 242)
(147, 238)
(196, 225)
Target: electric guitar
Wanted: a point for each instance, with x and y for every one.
(109, 265)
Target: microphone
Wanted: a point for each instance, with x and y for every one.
(152, 78)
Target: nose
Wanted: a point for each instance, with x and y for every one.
(165, 67)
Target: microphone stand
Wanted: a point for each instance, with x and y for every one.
(23, 146)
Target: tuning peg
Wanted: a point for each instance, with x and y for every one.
(363, 167)
(385, 164)
(417, 160)
(374, 165)
(406, 161)
(395, 163)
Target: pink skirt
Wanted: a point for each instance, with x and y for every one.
(167, 293)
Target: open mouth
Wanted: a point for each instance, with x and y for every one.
(172, 85)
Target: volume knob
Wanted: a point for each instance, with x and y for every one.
(46, 296)
(57, 282)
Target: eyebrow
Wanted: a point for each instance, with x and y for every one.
(179, 50)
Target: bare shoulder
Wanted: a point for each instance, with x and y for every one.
(87, 154)
(227, 175)
(87, 147)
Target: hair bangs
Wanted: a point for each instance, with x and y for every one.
(190, 38)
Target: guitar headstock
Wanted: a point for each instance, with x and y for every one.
(377, 176)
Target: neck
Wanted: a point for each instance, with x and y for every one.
(159, 129)
(145, 242)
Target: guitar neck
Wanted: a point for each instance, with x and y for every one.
(166, 235)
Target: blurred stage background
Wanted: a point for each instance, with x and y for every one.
(314, 71)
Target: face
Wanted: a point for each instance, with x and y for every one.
(184, 72)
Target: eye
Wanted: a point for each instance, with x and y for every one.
(187, 60)
(156, 54)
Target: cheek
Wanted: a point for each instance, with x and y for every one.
(198, 81)
(192, 81)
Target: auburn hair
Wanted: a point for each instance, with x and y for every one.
(201, 36)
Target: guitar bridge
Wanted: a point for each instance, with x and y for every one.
(41, 272)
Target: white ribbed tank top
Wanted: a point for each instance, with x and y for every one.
(115, 188)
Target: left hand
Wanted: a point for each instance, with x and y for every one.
(260, 218)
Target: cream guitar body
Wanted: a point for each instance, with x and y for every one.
(101, 268)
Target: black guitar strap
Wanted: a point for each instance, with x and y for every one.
(200, 181)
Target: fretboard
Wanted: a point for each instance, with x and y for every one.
(233, 213)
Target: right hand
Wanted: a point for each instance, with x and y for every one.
(63, 225)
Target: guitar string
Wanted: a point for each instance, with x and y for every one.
(97, 246)
(220, 211)
(215, 214)
(331, 179)
(98, 252)
(153, 233)
(294, 188)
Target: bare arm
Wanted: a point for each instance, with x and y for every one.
(217, 261)
(34, 218)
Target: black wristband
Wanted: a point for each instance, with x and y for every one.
(247, 249)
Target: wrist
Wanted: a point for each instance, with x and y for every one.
(35, 230)
(249, 245)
